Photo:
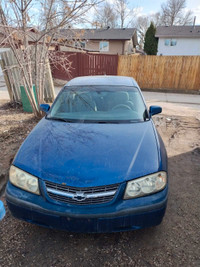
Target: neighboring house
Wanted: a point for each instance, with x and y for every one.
(178, 40)
(109, 41)
(32, 36)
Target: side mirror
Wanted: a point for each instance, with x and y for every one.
(2, 210)
(44, 107)
(154, 110)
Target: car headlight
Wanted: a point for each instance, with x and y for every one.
(146, 185)
(24, 180)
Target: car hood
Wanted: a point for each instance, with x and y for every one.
(82, 154)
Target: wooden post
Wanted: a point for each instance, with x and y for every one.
(49, 83)
(6, 78)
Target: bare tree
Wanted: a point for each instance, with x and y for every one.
(156, 18)
(125, 14)
(142, 23)
(172, 13)
(105, 16)
(31, 49)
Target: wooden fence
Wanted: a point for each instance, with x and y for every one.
(11, 71)
(85, 64)
(162, 72)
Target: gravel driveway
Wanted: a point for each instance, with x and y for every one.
(176, 242)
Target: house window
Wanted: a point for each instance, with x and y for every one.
(167, 42)
(170, 42)
(173, 42)
(80, 44)
(104, 46)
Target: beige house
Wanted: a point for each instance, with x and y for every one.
(108, 41)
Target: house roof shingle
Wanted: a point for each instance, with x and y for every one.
(100, 34)
(178, 31)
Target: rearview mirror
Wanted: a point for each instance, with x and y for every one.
(44, 107)
(154, 110)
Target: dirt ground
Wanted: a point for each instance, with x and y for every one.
(176, 242)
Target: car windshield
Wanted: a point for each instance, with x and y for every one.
(99, 104)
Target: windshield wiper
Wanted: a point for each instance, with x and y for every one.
(60, 119)
(91, 121)
(83, 100)
(106, 122)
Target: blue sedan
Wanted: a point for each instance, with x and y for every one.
(94, 163)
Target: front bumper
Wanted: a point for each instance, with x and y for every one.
(118, 216)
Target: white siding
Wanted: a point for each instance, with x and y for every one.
(183, 47)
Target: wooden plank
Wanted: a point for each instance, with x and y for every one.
(49, 88)
(195, 83)
(15, 71)
(6, 78)
(10, 76)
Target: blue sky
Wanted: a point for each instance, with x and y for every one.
(146, 7)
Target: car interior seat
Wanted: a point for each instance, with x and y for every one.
(118, 98)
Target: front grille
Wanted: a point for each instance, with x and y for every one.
(81, 195)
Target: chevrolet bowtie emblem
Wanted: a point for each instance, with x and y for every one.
(79, 196)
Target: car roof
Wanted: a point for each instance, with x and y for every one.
(103, 80)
